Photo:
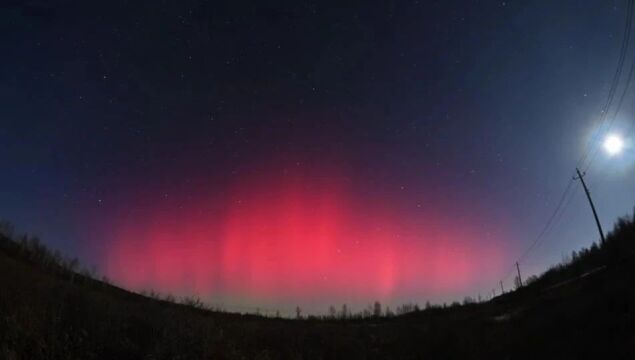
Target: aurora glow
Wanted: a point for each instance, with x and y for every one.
(291, 238)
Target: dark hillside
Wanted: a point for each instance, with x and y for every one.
(582, 309)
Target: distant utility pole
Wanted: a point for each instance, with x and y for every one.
(520, 280)
(588, 195)
(502, 290)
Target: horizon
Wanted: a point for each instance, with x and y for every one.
(280, 155)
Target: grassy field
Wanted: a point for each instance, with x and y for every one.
(582, 309)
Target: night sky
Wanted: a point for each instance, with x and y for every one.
(279, 153)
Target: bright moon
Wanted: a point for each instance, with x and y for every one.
(613, 144)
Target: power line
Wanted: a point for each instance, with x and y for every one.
(614, 84)
(592, 145)
(627, 31)
(617, 109)
(549, 225)
(566, 206)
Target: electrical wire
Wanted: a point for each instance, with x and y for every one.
(555, 217)
(592, 144)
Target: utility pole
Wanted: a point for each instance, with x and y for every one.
(502, 290)
(588, 195)
(520, 280)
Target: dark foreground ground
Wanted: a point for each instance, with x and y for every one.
(584, 309)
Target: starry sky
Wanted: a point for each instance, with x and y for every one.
(282, 153)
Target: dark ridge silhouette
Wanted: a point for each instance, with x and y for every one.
(581, 308)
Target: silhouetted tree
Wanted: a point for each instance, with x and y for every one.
(344, 313)
(407, 308)
(7, 229)
(72, 264)
(193, 301)
(298, 313)
(368, 312)
(531, 279)
(332, 312)
(377, 309)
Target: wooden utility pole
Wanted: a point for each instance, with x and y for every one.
(520, 280)
(502, 290)
(588, 195)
